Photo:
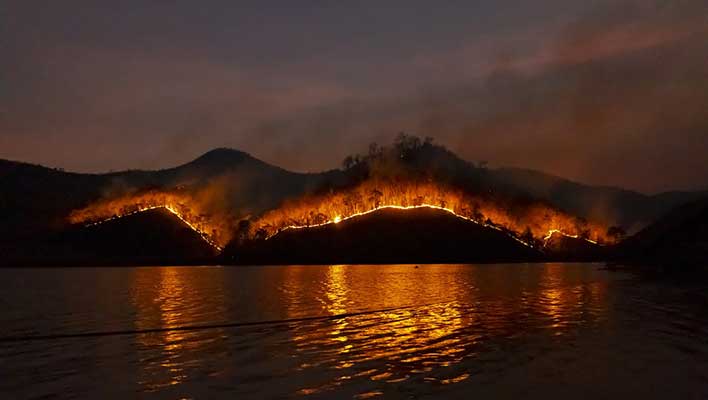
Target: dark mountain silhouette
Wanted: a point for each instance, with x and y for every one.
(678, 238)
(385, 236)
(613, 206)
(153, 237)
(35, 201)
(35, 198)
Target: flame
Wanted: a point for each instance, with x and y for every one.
(214, 231)
(337, 219)
(531, 224)
(558, 232)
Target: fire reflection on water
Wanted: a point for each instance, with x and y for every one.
(429, 342)
(566, 306)
(168, 302)
(394, 326)
(406, 341)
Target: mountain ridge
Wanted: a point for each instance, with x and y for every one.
(38, 199)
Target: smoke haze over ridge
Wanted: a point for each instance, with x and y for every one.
(603, 92)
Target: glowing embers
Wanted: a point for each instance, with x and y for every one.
(556, 231)
(181, 206)
(527, 222)
(174, 212)
(337, 219)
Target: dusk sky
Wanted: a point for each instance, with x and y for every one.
(603, 92)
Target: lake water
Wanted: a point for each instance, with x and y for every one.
(458, 331)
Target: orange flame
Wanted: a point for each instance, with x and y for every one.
(532, 224)
(529, 223)
(215, 231)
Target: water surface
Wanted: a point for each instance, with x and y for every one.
(502, 331)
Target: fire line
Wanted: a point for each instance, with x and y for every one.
(338, 219)
(172, 210)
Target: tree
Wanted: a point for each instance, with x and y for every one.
(348, 202)
(406, 144)
(376, 198)
(261, 234)
(477, 212)
(527, 236)
(348, 162)
(375, 151)
(616, 233)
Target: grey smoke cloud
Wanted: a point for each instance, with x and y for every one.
(604, 92)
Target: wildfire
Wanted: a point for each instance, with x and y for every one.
(339, 219)
(531, 224)
(556, 231)
(216, 232)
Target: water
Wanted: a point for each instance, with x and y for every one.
(460, 331)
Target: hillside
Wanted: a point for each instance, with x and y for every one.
(614, 206)
(36, 200)
(153, 237)
(678, 238)
(559, 247)
(385, 236)
(231, 186)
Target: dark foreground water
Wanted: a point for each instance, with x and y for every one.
(459, 331)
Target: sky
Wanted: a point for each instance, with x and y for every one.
(602, 92)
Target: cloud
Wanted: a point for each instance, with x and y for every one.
(605, 92)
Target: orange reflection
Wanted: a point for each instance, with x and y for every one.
(409, 340)
(164, 298)
(472, 307)
(565, 299)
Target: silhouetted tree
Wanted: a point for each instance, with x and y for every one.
(477, 213)
(376, 198)
(375, 151)
(261, 234)
(616, 233)
(405, 144)
(348, 162)
(527, 236)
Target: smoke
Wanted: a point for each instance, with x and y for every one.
(603, 92)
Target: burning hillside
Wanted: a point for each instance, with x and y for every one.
(529, 223)
(410, 174)
(387, 235)
(214, 230)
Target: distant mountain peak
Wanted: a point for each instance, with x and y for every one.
(221, 157)
(223, 153)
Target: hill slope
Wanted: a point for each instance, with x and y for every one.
(35, 201)
(679, 238)
(613, 206)
(154, 237)
(386, 236)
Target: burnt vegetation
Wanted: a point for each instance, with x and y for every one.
(230, 194)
